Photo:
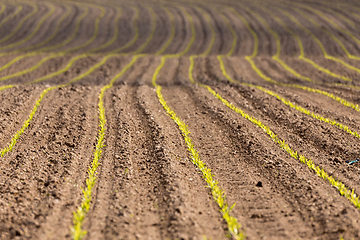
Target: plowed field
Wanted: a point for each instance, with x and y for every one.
(179, 119)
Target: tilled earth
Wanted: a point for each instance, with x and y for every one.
(147, 186)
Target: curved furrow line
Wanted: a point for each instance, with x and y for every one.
(64, 31)
(37, 28)
(292, 105)
(249, 28)
(233, 33)
(219, 26)
(206, 24)
(51, 56)
(69, 64)
(106, 28)
(3, 8)
(163, 32)
(15, 60)
(336, 39)
(217, 193)
(18, 10)
(80, 214)
(136, 33)
(256, 155)
(288, 103)
(152, 32)
(36, 9)
(234, 37)
(268, 79)
(302, 57)
(42, 95)
(95, 34)
(346, 21)
(244, 44)
(172, 32)
(202, 32)
(193, 34)
(325, 53)
(29, 70)
(182, 32)
(72, 36)
(116, 32)
(69, 10)
(187, 17)
(342, 189)
(266, 47)
(335, 25)
(282, 63)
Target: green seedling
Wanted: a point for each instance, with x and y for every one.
(217, 193)
(343, 190)
(79, 215)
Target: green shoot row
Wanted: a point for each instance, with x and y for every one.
(37, 104)
(217, 193)
(80, 213)
(343, 190)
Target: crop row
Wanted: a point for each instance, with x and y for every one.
(343, 190)
(37, 65)
(83, 209)
(79, 215)
(317, 41)
(217, 193)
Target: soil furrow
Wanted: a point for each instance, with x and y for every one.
(150, 182)
(55, 146)
(45, 28)
(345, 146)
(27, 27)
(162, 31)
(144, 23)
(105, 198)
(181, 31)
(266, 43)
(202, 30)
(68, 26)
(345, 39)
(201, 217)
(223, 38)
(285, 179)
(126, 29)
(86, 30)
(14, 110)
(104, 32)
(14, 20)
(245, 43)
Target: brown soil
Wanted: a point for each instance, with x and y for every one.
(147, 187)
